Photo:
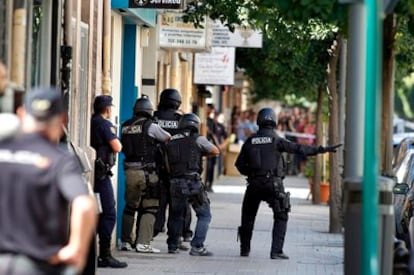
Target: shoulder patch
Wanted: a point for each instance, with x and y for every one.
(177, 136)
(113, 130)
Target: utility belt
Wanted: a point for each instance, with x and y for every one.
(194, 176)
(262, 174)
(282, 198)
(186, 188)
(147, 166)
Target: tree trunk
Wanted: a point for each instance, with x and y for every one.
(316, 195)
(335, 225)
(387, 95)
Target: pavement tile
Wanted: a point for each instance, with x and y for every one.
(312, 250)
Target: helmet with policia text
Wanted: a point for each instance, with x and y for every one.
(170, 98)
(190, 121)
(143, 106)
(266, 116)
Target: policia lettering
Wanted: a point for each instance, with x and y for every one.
(261, 161)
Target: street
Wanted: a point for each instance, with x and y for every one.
(312, 250)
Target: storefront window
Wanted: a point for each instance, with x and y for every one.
(3, 25)
(40, 46)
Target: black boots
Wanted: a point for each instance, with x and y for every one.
(281, 256)
(245, 238)
(105, 259)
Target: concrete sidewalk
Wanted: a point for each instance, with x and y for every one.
(311, 248)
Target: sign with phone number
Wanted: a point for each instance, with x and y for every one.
(174, 33)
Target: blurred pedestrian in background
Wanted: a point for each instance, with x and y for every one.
(221, 133)
(211, 137)
(40, 180)
(3, 78)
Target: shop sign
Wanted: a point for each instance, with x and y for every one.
(242, 37)
(174, 33)
(156, 4)
(216, 67)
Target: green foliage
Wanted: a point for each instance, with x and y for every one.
(292, 61)
(326, 11)
(404, 57)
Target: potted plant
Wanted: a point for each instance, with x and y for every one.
(324, 184)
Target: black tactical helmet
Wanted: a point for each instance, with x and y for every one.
(266, 116)
(190, 121)
(143, 106)
(170, 98)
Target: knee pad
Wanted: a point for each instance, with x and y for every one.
(153, 210)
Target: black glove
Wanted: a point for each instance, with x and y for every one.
(332, 149)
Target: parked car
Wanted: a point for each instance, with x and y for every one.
(403, 168)
(398, 137)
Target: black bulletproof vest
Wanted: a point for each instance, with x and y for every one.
(137, 145)
(168, 120)
(262, 154)
(184, 155)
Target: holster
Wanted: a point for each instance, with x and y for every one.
(101, 170)
(282, 198)
(152, 181)
(285, 201)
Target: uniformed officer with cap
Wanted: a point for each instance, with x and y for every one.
(141, 139)
(106, 144)
(184, 154)
(261, 161)
(41, 186)
(168, 117)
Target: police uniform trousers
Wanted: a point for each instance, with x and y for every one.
(16, 264)
(184, 191)
(164, 202)
(107, 218)
(139, 197)
(262, 189)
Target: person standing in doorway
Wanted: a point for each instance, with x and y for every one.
(106, 144)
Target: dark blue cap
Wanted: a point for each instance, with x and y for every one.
(102, 101)
(43, 103)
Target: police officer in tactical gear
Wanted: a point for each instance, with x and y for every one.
(106, 144)
(261, 161)
(141, 138)
(184, 155)
(168, 118)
